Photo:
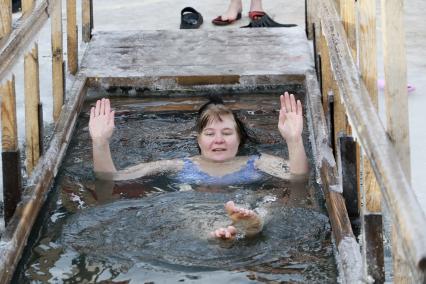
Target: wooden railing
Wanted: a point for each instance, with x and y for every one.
(40, 167)
(345, 59)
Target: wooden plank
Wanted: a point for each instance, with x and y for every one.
(373, 246)
(207, 80)
(32, 100)
(72, 37)
(349, 251)
(395, 67)
(349, 177)
(17, 232)
(12, 183)
(133, 54)
(347, 14)
(57, 60)
(22, 35)
(340, 124)
(373, 251)
(5, 18)
(327, 81)
(404, 207)
(310, 18)
(10, 151)
(86, 20)
(27, 7)
(9, 127)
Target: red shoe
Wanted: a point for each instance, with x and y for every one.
(219, 22)
(255, 15)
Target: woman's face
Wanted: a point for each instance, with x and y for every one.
(219, 140)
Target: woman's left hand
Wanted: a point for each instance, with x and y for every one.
(290, 121)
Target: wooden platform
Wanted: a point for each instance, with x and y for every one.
(242, 52)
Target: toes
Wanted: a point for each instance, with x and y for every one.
(224, 233)
(232, 230)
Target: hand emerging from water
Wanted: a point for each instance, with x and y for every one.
(101, 123)
(290, 121)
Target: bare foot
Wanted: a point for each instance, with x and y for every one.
(256, 5)
(235, 7)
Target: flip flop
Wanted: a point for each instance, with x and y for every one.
(381, 86)
(190, 18)
(219, 22)
(265, 22)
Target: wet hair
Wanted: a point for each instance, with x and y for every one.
(216, 109)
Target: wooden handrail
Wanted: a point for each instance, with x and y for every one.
(404, 208)
(22, 35)
(20, 226)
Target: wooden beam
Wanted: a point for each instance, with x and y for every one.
(57, 60)
(72, 37)
(5, 18)
(86, 20)
(15, 237)
(404, 207)
(349, 251)
(32, 101)
(22, 35)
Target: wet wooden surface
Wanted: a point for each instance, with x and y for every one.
(136, 54)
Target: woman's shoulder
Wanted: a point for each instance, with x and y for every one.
(273, 165)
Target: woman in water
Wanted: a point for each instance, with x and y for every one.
(220, 135)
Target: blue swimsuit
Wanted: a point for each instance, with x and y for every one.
(193, 175)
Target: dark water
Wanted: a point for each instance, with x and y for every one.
(155, 230)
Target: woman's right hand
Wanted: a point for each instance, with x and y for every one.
(101, 123)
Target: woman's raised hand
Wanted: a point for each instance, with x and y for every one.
(101, 123)
(290, 121)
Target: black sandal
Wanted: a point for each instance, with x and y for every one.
(266, 22)
(190, 18)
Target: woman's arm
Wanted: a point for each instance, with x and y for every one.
(101, 127)
(146, 169)
(290, 126)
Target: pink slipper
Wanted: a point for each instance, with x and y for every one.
(381, 86)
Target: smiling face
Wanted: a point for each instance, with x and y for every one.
(219, 139)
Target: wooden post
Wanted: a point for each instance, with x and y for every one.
(32, 101)
(395, 67)
(86, 18)
(371, 212)
(310, 18)
(12, 189)
(57, 60)
(5, 18)
(27, 7)
(326, 85)
(347, 13)
(401, 200)
(72, 37)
